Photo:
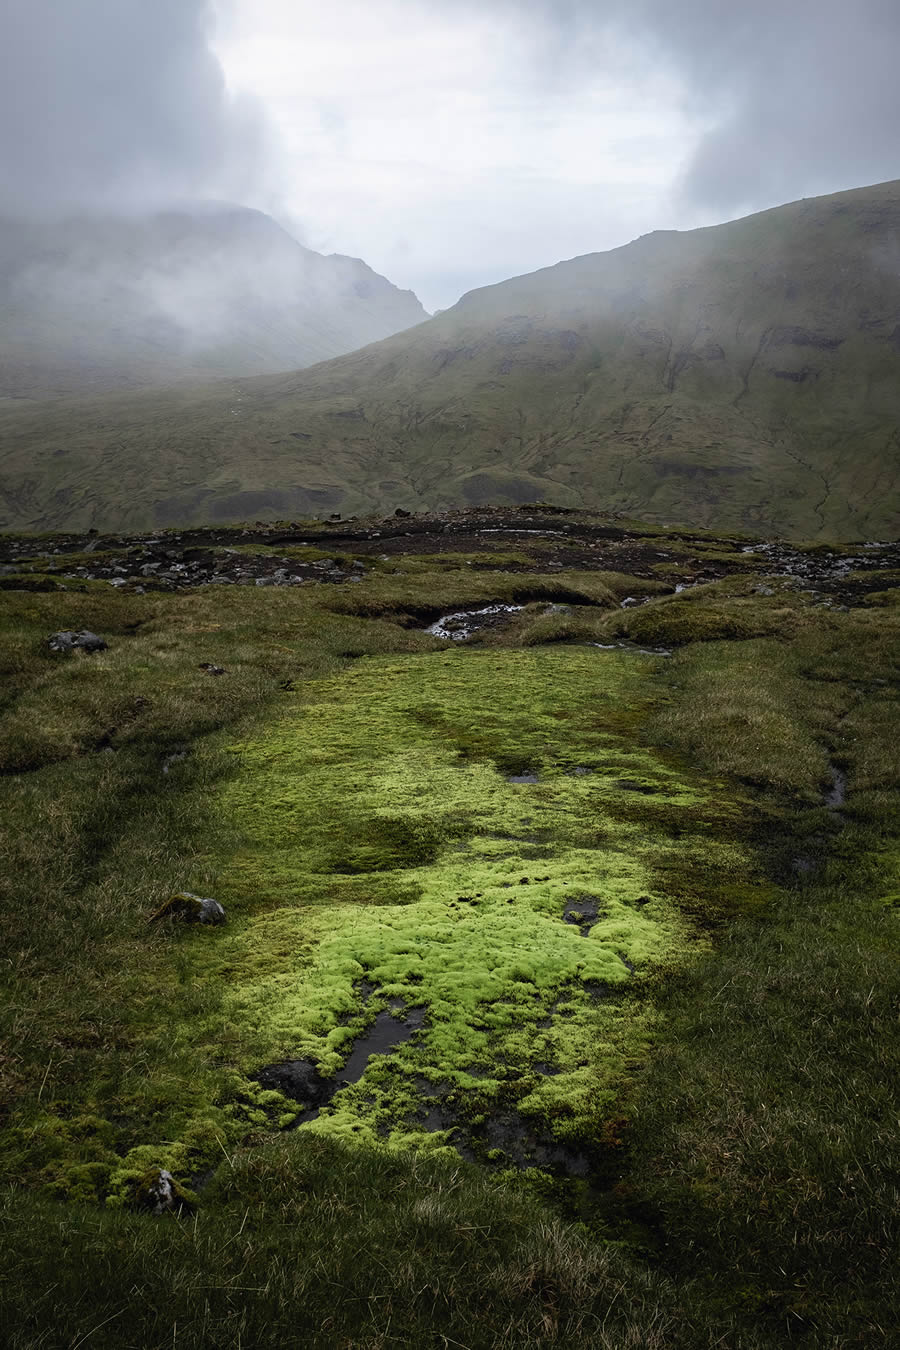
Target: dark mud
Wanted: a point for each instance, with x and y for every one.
(836, 794)
(582, 911)
(504, 1137)
(300, 1080)
(805, 864)
(542, 540)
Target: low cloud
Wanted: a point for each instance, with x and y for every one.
(786, 100)
(111, 104)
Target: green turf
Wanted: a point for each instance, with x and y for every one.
(354, 814)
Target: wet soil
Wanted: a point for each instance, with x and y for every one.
(805, 864)
(582, 911)
(300, 1080)
(543, 539)
(505, 1136)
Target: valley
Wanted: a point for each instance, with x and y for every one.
(742, 377)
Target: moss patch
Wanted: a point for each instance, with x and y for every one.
(387, 851)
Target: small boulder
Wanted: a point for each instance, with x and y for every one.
(192, 908)
(161, 1192)
(84, 640)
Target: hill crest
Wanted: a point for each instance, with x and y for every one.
(741, 376)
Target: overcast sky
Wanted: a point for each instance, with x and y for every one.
(450, 143)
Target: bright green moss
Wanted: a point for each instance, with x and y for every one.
(385, 848)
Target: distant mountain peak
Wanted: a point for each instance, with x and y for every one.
(741, 376)
(187, 293)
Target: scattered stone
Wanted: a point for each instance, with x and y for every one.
(212, 669)
(461, 625)
(192, 908)
(161, 1192)
(84, 640)
(174, 758)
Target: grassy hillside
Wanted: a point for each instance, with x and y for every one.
(744, 376)
(94, 304)
(556, 998)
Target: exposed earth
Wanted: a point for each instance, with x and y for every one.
(533, 540)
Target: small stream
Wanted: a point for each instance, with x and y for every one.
(465, 622)
(836, 794)
(805, 864)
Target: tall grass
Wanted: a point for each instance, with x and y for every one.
(753, 1171)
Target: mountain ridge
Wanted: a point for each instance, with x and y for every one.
(745, 375)
(100, 303)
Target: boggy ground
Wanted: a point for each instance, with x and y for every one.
(535, 940)
(524, 540)
(429, 829)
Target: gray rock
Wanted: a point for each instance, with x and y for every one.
(192, 908)
(84, 640)
(161, 1193)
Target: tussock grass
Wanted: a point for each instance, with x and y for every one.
(751, 1166)
(764, 1138)
(430, 595)
(303, 1242)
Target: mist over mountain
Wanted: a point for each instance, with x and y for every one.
(99, 302)
(745, 375)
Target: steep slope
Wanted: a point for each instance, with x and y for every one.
(95, 304)
(746, 375)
